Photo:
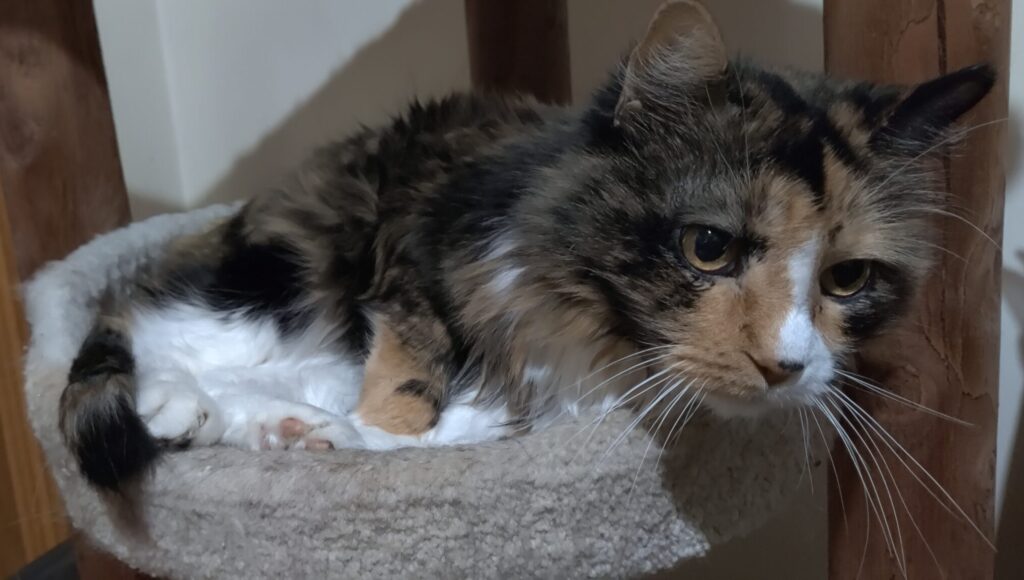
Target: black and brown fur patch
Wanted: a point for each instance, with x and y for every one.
(398, 395)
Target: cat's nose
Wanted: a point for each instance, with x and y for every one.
(776, 372)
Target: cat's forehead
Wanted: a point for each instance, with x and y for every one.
(794, 121)
(779, 211)
(780, 161)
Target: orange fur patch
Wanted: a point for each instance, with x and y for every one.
(382, 403)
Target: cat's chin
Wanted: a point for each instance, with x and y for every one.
(733, 407)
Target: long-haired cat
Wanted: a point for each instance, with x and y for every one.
(704, 231)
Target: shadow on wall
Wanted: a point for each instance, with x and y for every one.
(601, 32)
(146, 204)
(422, 54)
(1009, 558)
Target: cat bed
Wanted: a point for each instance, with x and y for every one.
(551, 504)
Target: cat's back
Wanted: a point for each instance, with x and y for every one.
(413, 152)
(379, 177)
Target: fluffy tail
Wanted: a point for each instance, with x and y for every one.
(97, 410)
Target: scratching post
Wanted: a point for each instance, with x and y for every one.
(947, 358)
(60, 185)
(520, 47)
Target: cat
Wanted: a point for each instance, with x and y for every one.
(704, 232)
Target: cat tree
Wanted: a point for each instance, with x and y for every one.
(61, 184)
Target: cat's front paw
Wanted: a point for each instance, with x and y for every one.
(177, 412)
(319, 435)
(259, 422)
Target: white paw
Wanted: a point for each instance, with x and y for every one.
(176, 411)
(256, 422)
(294, 433)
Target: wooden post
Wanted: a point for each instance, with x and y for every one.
(948, 358)
(60, 184)
(520, 46)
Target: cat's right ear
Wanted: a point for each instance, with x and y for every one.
(923, 118)
(682, 47)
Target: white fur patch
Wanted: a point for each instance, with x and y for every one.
(503, 281)
(797, 335)
(214, 378)
(175, 409)
(231, 379)
(799, 340)
(461, 422)
(255, 421)
(502, 246)
(239, 373)
(464, 422)
(565, 379)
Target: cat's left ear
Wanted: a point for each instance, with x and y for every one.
(922, 119)
(682, 46)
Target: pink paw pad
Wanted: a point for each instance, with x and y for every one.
(293, 433)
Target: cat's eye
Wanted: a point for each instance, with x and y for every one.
(709, 249)
(846, 278)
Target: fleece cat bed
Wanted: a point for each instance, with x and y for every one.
(551, 504)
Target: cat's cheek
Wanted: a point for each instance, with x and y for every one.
(830, 321)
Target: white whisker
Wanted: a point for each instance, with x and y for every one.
(942, 143)
(832, 463)
(857, 461)
(892, 477)
(965, 221)
(887, 438)
(661, 420)
(636, 367)
(629, 429)
(804, 434)
(597, 421)
(864, 384)
(687, 414)
(900, 552)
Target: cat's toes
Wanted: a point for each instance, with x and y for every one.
(319, 445)
(179, 415)
(292, 428)
(283, 434)
(337, 434)
(315, 434)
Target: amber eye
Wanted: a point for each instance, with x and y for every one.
(846, 278)
(709, 249)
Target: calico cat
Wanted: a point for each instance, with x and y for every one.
(703, 232)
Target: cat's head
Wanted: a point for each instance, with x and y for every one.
(753, 227)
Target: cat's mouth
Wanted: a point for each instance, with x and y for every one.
(758, 401)
(755, 406)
